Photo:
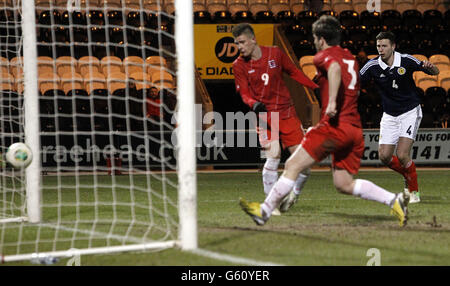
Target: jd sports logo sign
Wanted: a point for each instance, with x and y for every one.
(226, 50)
(215, 50)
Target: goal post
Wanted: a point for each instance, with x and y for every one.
(98, 89)
(31, 109)
(187, 155)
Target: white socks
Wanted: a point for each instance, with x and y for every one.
(301, 180)
(281, 188)
(369, 191)
(270, 174)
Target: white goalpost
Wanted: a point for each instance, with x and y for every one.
(98, 89)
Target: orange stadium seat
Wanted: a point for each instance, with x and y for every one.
(71, 81)
(297, 6)
(66, 64)
(256, 6)
(359, 5)
(371, 56)
(111, 4)
(154, 69)
(425, 81)
(4, 65)
(341, 5)
(48, 81)
(424, 5)
(214, 6)
(310, 71)
(45, 64)
(403, 5)
(152, 5)
(420, 57)
(156, 61)
(19, 85)
(133, 64)
(169, 6)
(387, 5)
(444, 79)
(7, 81)
(441, 5)
(94, 80)
(16, 66)
(141, 80)
(235, 6)
(116, 80)
(132, 4)
(326, 5)
(110, 64)
(441, 61)
(163, 80)
(277, 6)
(199, 5)
(306, 60)
(87, 63)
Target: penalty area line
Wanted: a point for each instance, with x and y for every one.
(231, 258)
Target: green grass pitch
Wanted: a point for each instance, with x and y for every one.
(323, 228)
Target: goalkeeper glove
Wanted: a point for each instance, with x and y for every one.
(259, 107)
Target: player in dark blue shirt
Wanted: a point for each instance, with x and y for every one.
(392, 73)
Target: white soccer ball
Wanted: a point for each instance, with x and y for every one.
(19, 155)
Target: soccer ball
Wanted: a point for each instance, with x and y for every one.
(19, 155)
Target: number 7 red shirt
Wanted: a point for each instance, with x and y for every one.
(262, 80)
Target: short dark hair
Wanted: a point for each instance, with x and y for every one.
(241, 29)
(329, 28)
(386, 35)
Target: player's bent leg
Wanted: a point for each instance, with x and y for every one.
(298, 162)
(270, 169)
(367, 190)
(410, 174)
(289, 200)
(385, 152)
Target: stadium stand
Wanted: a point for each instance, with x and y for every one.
(279, 6)
(421, 26)
(441, 61)
(444, 80)
(404, 5)
(341, 5)
(235, 6)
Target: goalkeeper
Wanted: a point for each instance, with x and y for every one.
(259, 80)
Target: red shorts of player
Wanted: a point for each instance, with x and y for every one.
(345, 143)
(289, 131)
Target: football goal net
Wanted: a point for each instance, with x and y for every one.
(101, 94)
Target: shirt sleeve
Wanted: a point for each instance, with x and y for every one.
(242, 85)
(292, 70)
(364, 74)
(416, 64)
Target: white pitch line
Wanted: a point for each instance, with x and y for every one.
(231, 258)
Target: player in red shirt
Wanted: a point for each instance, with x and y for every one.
(338, 133)
(258, 75)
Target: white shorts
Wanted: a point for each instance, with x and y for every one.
(404, 125)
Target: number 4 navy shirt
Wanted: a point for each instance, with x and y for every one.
(395, 84)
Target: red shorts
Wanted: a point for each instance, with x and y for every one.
(345, 143)
(289, 131)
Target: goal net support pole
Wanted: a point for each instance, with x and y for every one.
(31, 106)
(186, 125)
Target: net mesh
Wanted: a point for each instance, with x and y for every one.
(106, 78)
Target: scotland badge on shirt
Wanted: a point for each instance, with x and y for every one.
(272, 64)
